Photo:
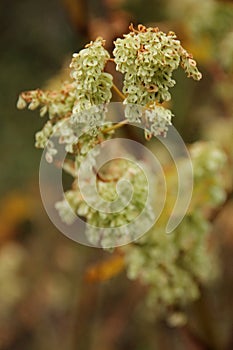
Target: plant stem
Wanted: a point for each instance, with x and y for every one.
(115, 126)
(119, 93)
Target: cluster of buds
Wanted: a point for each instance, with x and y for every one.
(148, 57)
(92, 84)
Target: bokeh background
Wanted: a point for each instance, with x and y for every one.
(54, 293)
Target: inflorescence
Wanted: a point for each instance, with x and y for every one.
(172, 266)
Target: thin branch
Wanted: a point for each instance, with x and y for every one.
(119, 93)
(115, 126)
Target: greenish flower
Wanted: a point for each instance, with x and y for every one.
(148, 58)
(174, 266)
(43, 135)
(58, 103)
(92, 84)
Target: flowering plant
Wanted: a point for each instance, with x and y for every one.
(173, 266)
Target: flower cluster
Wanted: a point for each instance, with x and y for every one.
(154, 119)
(99, 221)
(43, 135)
(208, 161)
(148, 57)
(58, 104)
(189, 65)
(169, 265)
(92, 84)
(174, 265)
(157, 120)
